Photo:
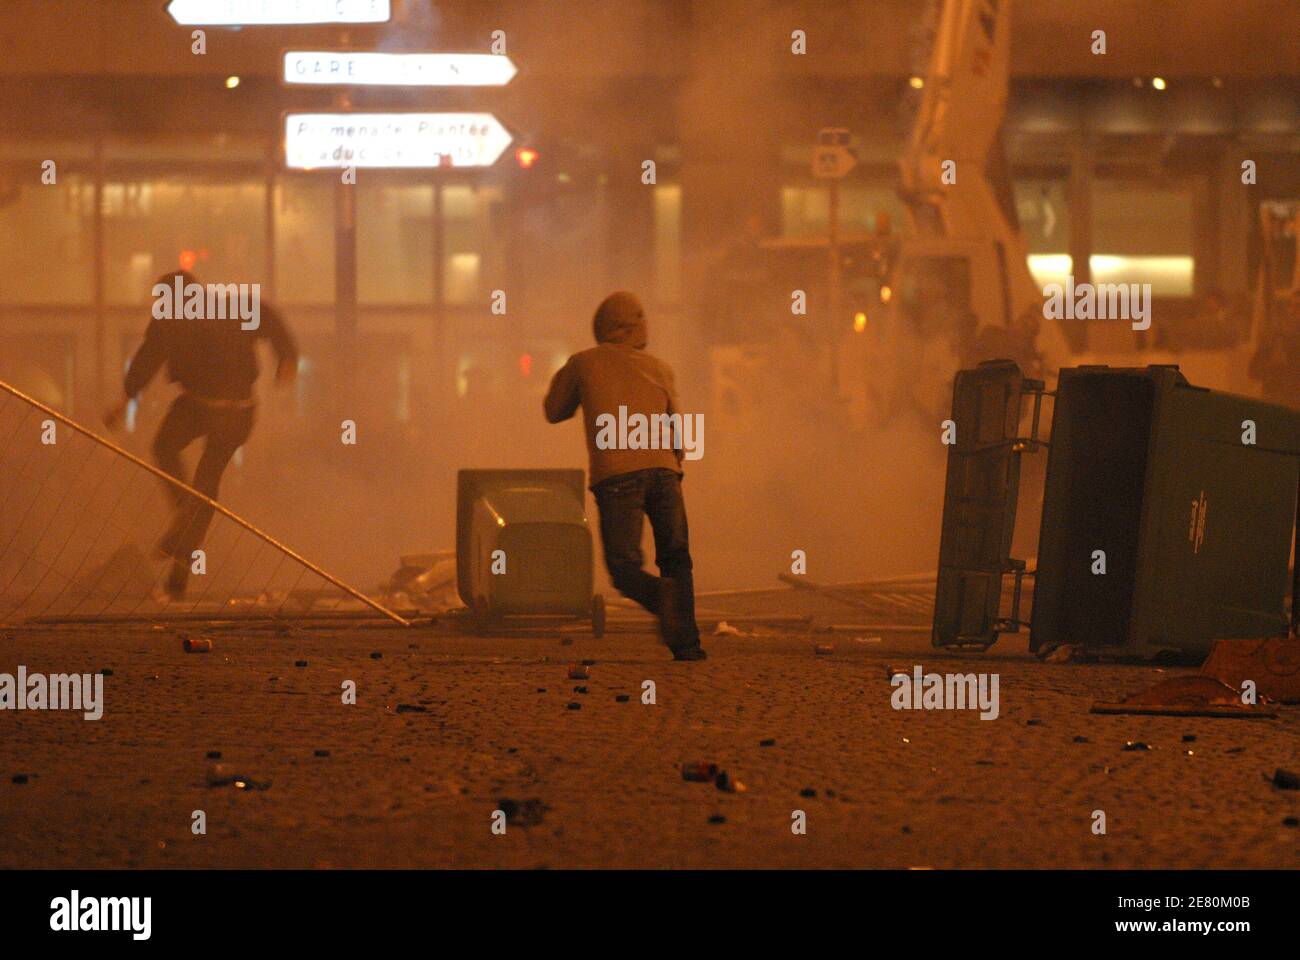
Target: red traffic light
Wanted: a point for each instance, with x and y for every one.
(526, 157)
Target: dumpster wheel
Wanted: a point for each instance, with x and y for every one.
(598, 615)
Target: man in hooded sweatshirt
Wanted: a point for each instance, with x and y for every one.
(632, 483)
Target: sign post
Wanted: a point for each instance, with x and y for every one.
(833, 158)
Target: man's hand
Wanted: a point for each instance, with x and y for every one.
(113, 416)
(286, 371)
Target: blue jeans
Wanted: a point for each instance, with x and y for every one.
(623, 501)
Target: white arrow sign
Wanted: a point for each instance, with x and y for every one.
(398, 69)
(239, 13)
(315, 140)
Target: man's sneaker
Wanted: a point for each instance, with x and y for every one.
(690, 653)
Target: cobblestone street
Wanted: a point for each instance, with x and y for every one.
(447, 728)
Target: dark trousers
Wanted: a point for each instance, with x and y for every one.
(623, 502)
(224, 429)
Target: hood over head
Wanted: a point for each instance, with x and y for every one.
(620, 319)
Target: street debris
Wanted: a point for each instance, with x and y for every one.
(622, 698)
(1058, 653)
(221, 775)
(769, 742)
(214, 755)
(727, 784)
(19, 778)
(724, 629)
(411, 708)
(578, 672)
(823, 649)
(1272, 664)
(376, 656)
(575, 706)
(1132, 745)
(700, 772)
(1187, 696)
(522, 813)
(717, 818)
(424, 581)
(196, 644)
(1285, 780)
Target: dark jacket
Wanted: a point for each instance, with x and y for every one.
(212, 359)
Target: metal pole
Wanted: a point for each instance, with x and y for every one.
(345, 281)
(834, 229)
(97, 231)
(441, 364)
(268, 214)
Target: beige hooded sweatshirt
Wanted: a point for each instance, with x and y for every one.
(616, 373)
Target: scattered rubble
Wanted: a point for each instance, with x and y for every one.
(424, 581)
(221, 775)
(196, 644)
(1272, 664)
(522, 813)
(1285, 780)
(1058, 653)
(1187, 696)
(727, 784)
(578, 672)
(700, 772)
